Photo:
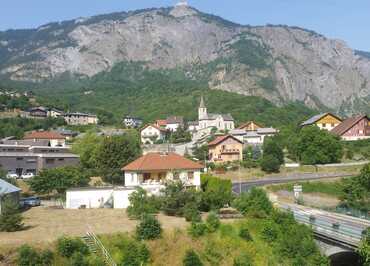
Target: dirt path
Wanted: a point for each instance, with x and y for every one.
(47, 225)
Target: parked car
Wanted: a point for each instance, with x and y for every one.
(27, 175)
(12, 175)
(30, 202)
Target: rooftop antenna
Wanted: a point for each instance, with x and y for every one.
(182, 3)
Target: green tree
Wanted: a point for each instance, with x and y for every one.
(216, 192)
(315, 146)
(201, 153)
(87, 147)
(149, 228)
(115, 152)
(272, 147)
(253, 202)
(357, 190)
(364, 249)
(270, 164)
(28, 256)
(59, 179)
(212, 222)
(191, 258)
(136, 254)
(10, 217)
(141, 203)
(68, 246)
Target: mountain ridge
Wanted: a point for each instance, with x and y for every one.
(276, 62)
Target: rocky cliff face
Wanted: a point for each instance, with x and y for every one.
(279, 63)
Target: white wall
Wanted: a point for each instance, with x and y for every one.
(172, 127)
(131, 179)
(121, 198)
(94, 198)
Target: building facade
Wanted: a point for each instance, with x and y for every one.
(325, 121)
(82, 119)
(54, 138)
(151, 134)
(225, 149)
(224, 122)
(354, 128)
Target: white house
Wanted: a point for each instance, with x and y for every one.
(159, 168)
(151, 172)
(220, 121)
(152, 133)
(174, 122)
(253, 137)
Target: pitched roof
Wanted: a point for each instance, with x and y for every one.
(43, 135)
(316, 118)
(225, 117)
(161, 123)
(202, 104)
(175, 120)
(248, 123)
(347, 124)
(161, 161)
(220, 139)
(155, 126)
(6, 188)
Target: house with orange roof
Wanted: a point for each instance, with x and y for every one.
(250, 126)
(55, 139)
(224, 149)
(353, 128)
(155, 169)
(151, 134)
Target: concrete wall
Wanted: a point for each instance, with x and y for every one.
(91, 198)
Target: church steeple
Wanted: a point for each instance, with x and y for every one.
(202, 110)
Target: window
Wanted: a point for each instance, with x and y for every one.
(332, 125)
(49, 161)
(323, 124)
(61, 159)
(19, 159)
(190, 175)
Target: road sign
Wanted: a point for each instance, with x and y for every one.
(297, 188)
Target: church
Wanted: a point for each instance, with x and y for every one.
(223, 122)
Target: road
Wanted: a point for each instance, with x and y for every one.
(246, 185)
(346, 230)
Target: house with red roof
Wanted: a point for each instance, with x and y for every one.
(55, 139)
(155, 169)
(224, 149)
(150, 134)
(353, 128)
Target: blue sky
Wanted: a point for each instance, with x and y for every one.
(342, 19)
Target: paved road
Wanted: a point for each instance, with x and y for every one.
(246, 185)
(348, 230)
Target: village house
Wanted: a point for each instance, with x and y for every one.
(326, 121)
(193, 126)
(38, 112)
(252, 133)
(224, 149)
(82, 119)
(150, 172)
(353, 128)
(174, 122)
(159, 168)
(55, 113)
(54, 138)
(249, 126)
(132, 122)
(151, 134)
(223, 122)
(8, 192)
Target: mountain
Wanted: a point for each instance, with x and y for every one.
(279, 63)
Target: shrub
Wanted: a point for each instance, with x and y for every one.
(78, 259)
(197, 229)
(136, 254)
(212, 222)
(148, 228)
(191, 212)
(46, 257)
(141, 203)
(270, 164)
(216, 193)
(27, 256)
(10, 218)
(269, 232)
(191, 258)
(243, 260)
(68, 246)
(244, 234)
(252, 202)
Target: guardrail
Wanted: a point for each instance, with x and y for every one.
(108, 258)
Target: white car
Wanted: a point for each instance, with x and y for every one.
(27, 175)
(12, 175)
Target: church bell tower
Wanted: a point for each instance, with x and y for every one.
(202, 110)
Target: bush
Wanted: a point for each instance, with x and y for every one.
(27, 256)
(253, 202)
(191, 212)
(141, 203)
(68, 246)
(197, 229)
(10, 218)
(270, 164)
(192, 259)
(148, 228)
(212, 222)
(243, 260)
(269, 232)
(244, 234)
(216, 193)
(78, 259)
(136, 254)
